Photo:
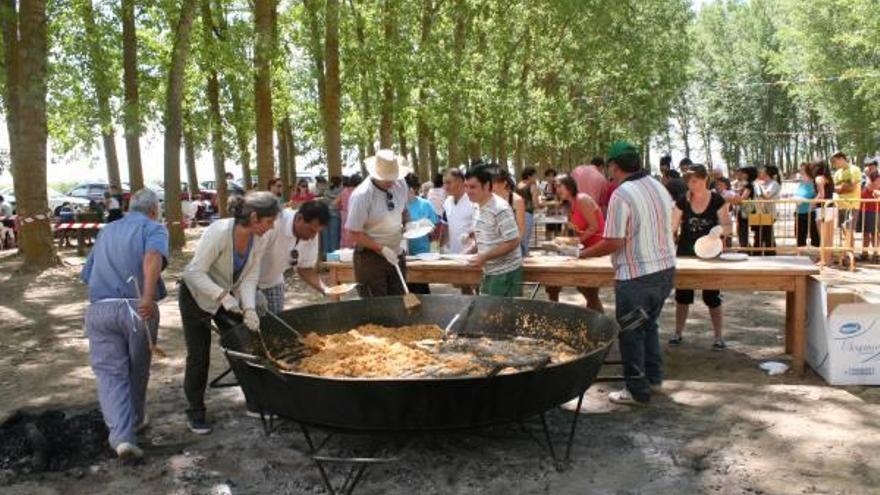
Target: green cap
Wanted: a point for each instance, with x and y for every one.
(621, 148)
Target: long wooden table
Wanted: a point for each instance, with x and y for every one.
(771, 273)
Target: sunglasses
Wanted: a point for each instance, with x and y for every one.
(389, 201)
(294, 255)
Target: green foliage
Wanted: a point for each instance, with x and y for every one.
(560, 77)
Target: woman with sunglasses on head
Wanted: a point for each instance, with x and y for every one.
(377, 214)
(221, 282)
(302, 194)
(586, 219)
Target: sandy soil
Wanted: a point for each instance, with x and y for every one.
(721, 425)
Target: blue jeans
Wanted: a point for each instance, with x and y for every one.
(527, 236)
(640, 346)
(330, 234)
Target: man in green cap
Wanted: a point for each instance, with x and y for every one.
(638, 236)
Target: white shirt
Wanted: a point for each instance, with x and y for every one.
(277, 259)
(460, 219)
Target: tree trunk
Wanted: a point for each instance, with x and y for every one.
(386, 121)
(131, 110)
(189, 153)
(241, 136)
(435, 158)
(286, 158)
(172, 119)
(475, 149)
(401, 139)
(96, 63)
(364, 75)
(263, 55)
(283, 164)
(216, 118)
(362, 155)
(424, 147)
(517, 156)
(459, 38)
(25, 56)
(386, 133)
(332, 123)
(423, 132)
(291, 154)
(502, 149)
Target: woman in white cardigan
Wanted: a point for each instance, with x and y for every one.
(221, 278)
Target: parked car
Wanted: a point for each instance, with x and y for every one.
(206, 194)
(8, 194)
(55, 198)
(94, 191)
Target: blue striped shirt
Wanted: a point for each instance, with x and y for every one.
(640, 213)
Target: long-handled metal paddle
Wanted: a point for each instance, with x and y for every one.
(154, 349)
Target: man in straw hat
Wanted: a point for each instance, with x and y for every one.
(377, 213)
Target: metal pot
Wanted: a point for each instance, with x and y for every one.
(408, 404)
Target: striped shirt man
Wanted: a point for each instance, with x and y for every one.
(640, 212)
(494, 224)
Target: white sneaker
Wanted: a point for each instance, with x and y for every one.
(145, 423)
(624, 397)
(128, 452)
(256, 415)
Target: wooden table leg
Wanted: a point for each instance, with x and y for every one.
(799, 326)
(789, 321)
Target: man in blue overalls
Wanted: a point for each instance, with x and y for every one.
(123, 272)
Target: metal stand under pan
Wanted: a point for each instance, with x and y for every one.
(356, 467)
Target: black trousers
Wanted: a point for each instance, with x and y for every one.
(197, 335)
(806, 224)
(742, 232)
(764, 239)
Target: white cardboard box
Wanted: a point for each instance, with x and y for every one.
(843, 336)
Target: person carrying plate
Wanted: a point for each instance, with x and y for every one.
(377, 214)
(695, 214)
(423, 217)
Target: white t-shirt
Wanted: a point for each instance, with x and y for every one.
(460, 220)
(277, 258)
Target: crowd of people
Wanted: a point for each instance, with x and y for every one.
(827, 194)
(239, 269)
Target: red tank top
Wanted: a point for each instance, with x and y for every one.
(578, 220)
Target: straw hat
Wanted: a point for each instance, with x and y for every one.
(387, 166)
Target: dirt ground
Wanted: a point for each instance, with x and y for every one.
(721, 426)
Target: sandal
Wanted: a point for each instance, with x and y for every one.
(719, 345)
(676, 339)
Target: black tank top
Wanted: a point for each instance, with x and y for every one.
(696, 225)
(526, 193)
